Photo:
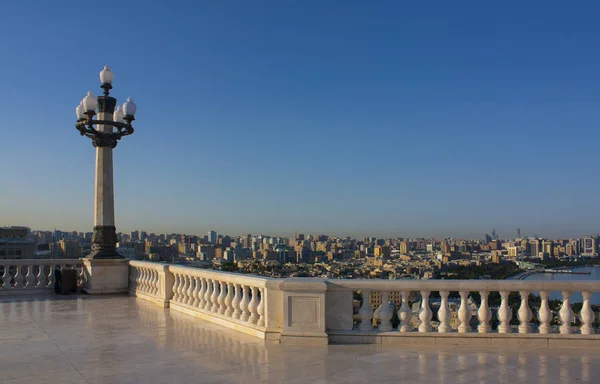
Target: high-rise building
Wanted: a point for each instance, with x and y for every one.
(534, 248)
(404, 248)
(212, 237)
(588, 246)
(16, 243)
(135, 235)
(548, 247)
(70, 249)
(488, 238)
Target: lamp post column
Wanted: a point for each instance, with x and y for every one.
(104, 239)
(105, 271)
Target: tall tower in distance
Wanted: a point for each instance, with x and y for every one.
(518, 233)
(212, 237)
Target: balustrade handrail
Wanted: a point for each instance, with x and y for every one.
(227, 277)
(461, 285)
(149, 265)
(17, 262)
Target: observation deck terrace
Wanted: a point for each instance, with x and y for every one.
(181, 325)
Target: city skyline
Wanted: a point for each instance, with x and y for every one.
(387, 120)
(483, 235)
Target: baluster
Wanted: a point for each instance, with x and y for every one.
(253, 306)
(82, 277)
(444, 313)
(143, 273)
(202, 292)
(566, 314)
(51, 275)
(385, 313)
(425, 313)
(196, 293)
(29, 276)
(41, 277)
(244, 304)
(156, 282)
(176, 285)
(214, 298)
(484, 314)
(185, 285)
(544, 314)
(221, 298)
(229, 300)
(464, 313)
(190, 290)
(151, 281)
(404, 313)
(138, 279)
(6, 277)
(207, 295)
(504, 313)
(261, 309)
(524, 313)
(18, 278)
(148, 280)
(236, 303)
(586, 315)
(366, 312)
(182, 288)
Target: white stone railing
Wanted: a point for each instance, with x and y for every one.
(151, 281)
(237, 301)
(341, 318)
(308, 310)
(24, 275)
(250, 304)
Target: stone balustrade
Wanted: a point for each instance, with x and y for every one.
(310, 310)
(250, 304)
(151, 281)
(25, 275)
(373, 320)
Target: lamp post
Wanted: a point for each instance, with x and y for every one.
(113, 122)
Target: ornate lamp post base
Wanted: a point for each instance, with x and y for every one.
(104, 242)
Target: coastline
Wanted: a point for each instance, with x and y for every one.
(526, 274)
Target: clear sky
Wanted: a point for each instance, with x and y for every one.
(382, 118)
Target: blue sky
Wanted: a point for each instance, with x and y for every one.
(388, 118)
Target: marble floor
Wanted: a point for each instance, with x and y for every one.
(120, 339)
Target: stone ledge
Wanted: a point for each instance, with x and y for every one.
(475, 339)
(290, 339)
(151, 298)
(26, 291)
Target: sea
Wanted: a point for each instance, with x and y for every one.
(575, 296)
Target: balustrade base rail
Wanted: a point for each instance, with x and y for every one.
(151, 298)
(474, 339)
(228, 322)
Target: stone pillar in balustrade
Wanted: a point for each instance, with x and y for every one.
(304, 320)
(339, 309)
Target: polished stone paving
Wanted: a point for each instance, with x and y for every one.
(120, 339)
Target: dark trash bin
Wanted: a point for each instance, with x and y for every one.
(65, 281)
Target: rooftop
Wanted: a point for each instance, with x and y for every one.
(123, 339)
